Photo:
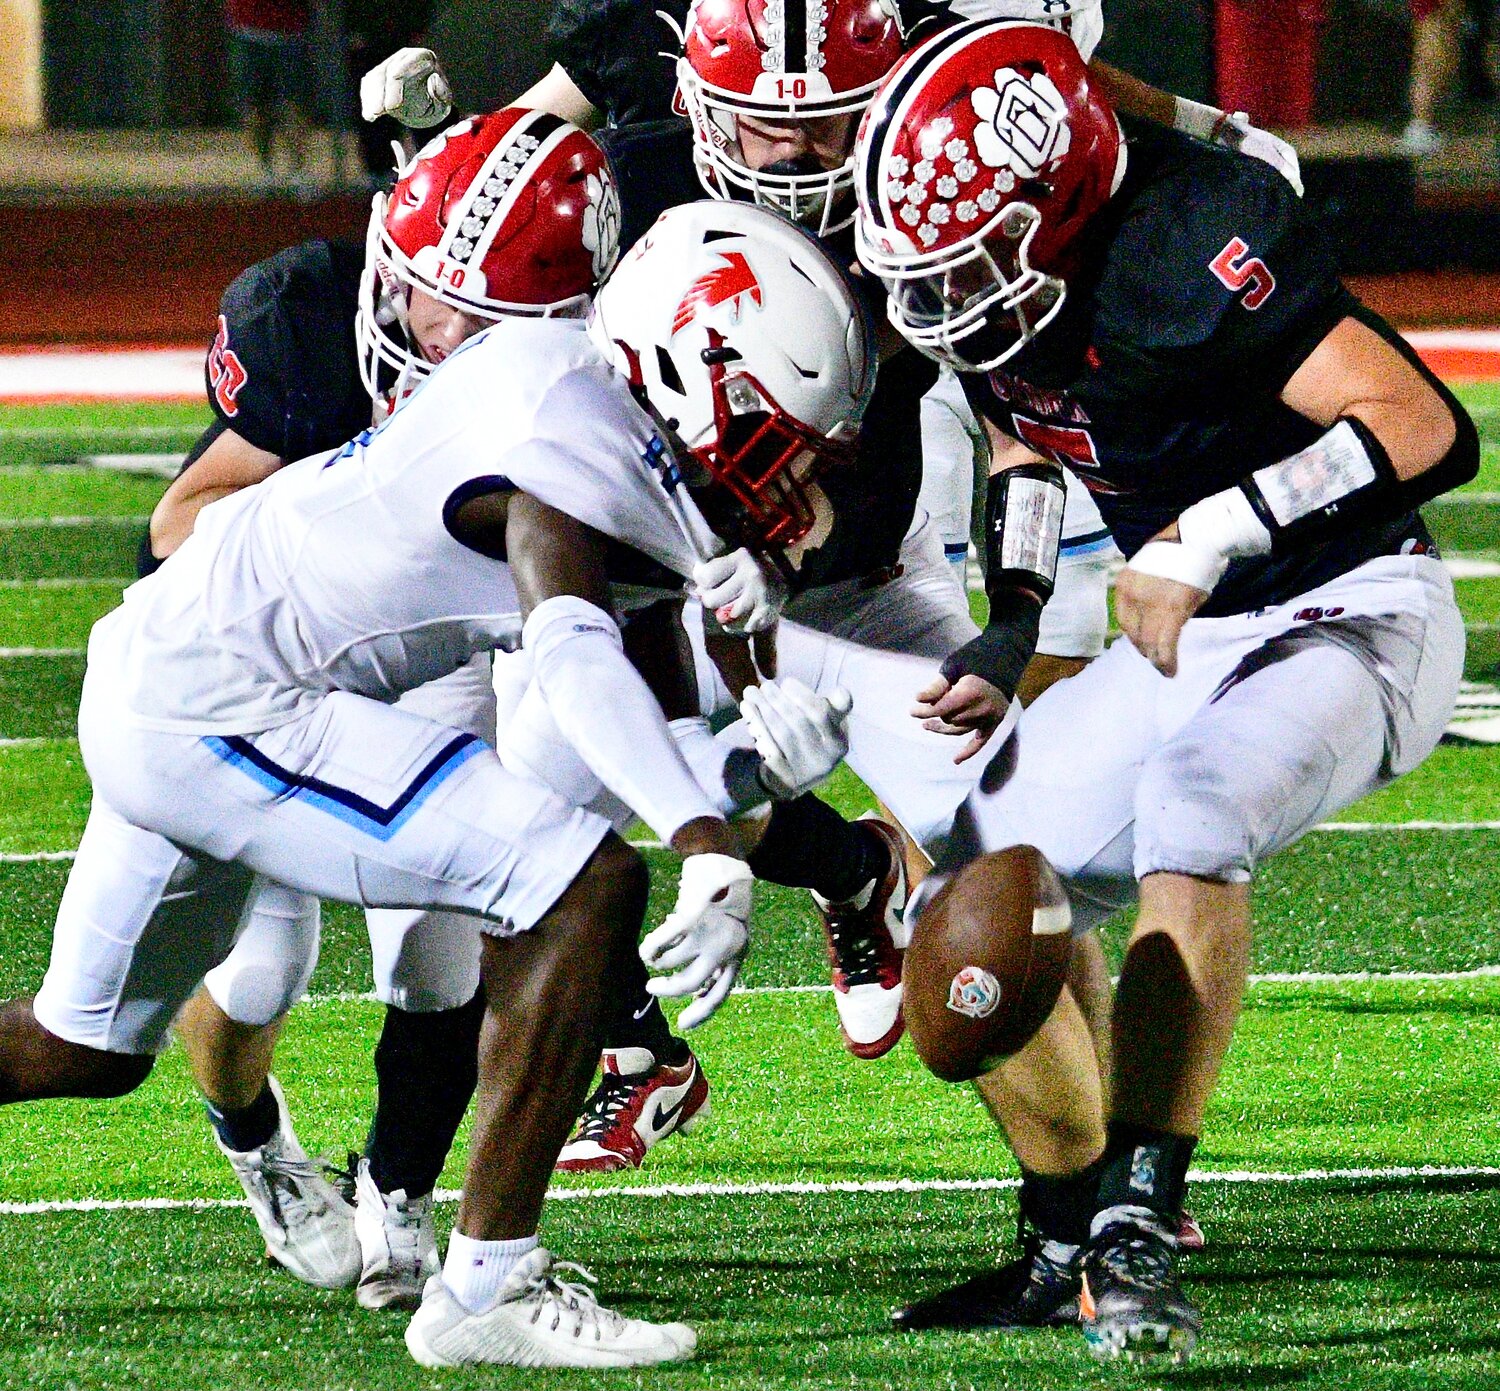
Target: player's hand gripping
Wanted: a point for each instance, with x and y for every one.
(971, 705)
(703, 939)
(408, 85)
(1153, 610)
(741, 591)
(800, 737)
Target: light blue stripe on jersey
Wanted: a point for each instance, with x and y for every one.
(1089, 542)
(379, 823)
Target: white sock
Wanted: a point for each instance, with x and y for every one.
(475, 1270)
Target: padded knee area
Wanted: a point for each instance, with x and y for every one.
(1213, 811)
(268, 969)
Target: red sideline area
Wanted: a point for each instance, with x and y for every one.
(118, 277)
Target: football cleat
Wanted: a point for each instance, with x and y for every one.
(864, 957)
(636, 1105)
(397, 1244)
(540, 1320)
(1039, 1289)
(307, 1225)
(1131, 1304)
(1189, 1234)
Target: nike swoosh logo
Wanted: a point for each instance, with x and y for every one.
(663, 1118)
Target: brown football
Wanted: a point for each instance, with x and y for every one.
(987, 959)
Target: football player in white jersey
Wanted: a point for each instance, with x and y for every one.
(238, 719)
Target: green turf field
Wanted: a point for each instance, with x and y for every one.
(824, 1190)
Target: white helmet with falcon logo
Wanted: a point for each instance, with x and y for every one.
(747, 342)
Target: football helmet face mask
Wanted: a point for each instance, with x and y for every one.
(511, 213)
(747, 344)
(978, 167)
(778, 62)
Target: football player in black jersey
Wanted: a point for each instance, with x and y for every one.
(1164, 318)
(789, 149)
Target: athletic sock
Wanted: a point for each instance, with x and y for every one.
(426, 1068)
(475, 1270)
(1145, 1167)
(1061, 1206)
(808, 845)
(633, 1016)
(246, 1128)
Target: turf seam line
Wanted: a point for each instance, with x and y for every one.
(792, 1189)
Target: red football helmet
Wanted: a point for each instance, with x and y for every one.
(511, 213)
(978, 165)
(780, 61)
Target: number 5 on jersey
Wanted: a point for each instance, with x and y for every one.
(1234, 272)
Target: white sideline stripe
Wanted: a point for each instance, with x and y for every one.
(1355, 827)
(1474, 340)
(782, 1190)
(69, 582)
(42, 652)
(139, 373)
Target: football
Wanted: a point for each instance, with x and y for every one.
(987, 959)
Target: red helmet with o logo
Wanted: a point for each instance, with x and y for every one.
(978, 166)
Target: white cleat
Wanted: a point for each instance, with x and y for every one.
(307, 1225)
(397, 1243)
(540, 1321)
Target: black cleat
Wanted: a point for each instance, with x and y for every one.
(1132, 1304)
(1039, 1289)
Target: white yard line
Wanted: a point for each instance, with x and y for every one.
(42, 652)
(367, 997)
(1352, 827)
(1393, 1174)
(39, 523)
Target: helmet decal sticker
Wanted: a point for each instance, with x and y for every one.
(726, 284)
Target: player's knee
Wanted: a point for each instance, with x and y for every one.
(1195, 815)
(117, 1074)
(257, 992)
(617, 880)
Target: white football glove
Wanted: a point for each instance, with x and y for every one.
(743, 593)
(800, 737)
(408, 85)
(1236, 133)
(704, 938)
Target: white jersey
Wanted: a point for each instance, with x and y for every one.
(341, 574)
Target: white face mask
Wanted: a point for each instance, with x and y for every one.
(1080, 20)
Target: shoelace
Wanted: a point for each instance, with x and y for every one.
(603, 1111)
(564, 1297)
(288, 1184)
(854, 947)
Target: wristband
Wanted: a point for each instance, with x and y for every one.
(1169, 560)
(1001, 652)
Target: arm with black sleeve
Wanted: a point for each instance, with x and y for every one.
(1023, 531)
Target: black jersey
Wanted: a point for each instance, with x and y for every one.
(283, 369)
(621, 54)
(283, 372)
(874, 500)
(1159, 382)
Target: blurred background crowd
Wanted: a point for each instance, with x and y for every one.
(224, 125)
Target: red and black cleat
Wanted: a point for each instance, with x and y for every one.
(864, 957)
(636, 1105)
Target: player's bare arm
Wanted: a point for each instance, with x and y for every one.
(1393, 442)
(230, 463)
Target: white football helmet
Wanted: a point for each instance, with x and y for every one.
(747, 342)
(1081, 20)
